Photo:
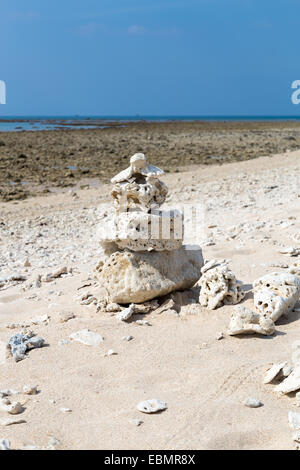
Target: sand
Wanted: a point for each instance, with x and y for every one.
(251, 209)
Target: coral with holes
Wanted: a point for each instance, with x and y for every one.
(138, 187)
(219, 286)
(245, 322)
(276, 294)
(139, 231)
(141, 193)
(137, 224)
(142, 252)
(295, 268)
(136, 277)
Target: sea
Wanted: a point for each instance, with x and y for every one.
(41, 123)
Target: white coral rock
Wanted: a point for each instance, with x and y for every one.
(144, 193)
(127, 313)
(291, 383)
(136, 277)
(245, 322)
(274, 372)
(138, 166)
(151, 406)
(87, 337)
(13, 408)
(219, 286)
(295, 268)
(276, 294)
(139, 231)
(252, 403)
(294, 420)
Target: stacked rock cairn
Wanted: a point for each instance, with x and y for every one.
(143, 256)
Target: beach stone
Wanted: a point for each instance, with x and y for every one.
(127, 313)
(245, 322)
(290, 251)
(291, 383)
(13, 408)
(55, 275)
(276, 294)
(295, 268)
(138, 166)
(287, 370)
(138, 187)
(20, 343)
(135, 277)
(87, 337)
(111, 308)
(272, 373)
(219, 286)
(151, 406)
(127, 338)
(110, 352)
(30, 390)
(64, 317)
(146, 307)
(294, 420)
(143, 323)
(168, 304)
(5, 444)
(65, 410)
(140, 231)
(252, 403)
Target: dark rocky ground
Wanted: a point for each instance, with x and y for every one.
(36, 162)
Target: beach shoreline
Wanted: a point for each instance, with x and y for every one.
(41, 162)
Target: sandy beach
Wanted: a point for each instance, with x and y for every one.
(252, 208)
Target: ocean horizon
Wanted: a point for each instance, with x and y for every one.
(44, 122)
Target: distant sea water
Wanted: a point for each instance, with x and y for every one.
(39, 123)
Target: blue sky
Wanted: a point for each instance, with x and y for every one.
(149, 57)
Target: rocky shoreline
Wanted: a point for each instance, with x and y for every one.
(33, 163)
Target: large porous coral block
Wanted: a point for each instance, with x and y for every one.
(276, 294)
(219, 286)
(135, 277)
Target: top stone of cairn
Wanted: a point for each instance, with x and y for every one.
(138, 166)
(138, 187)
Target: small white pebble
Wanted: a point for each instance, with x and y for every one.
(66, 410)
(5, 444)
(110, 352)
(143, 323)
(252, 403)
(127, 338)
(30, 390)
